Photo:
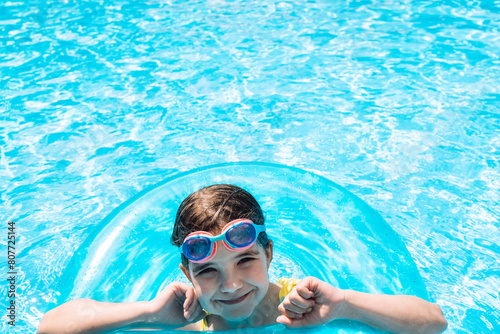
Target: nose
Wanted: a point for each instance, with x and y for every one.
(231, 281)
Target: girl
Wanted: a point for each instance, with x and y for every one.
(226, 255)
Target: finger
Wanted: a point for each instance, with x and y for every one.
(180, 290)
(304, 291)
(193, 313)
(292, 323)
(191, 303)
(294, 308)
(289, 313)
(195, 310)
(296, 299)
(189, 294)
(283, 319)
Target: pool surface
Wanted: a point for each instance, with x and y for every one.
(395, 101)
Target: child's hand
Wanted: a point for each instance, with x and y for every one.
(312, 302)
(176, 305)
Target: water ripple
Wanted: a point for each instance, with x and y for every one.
(396, 101)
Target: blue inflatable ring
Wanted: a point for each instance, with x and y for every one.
(318, 229)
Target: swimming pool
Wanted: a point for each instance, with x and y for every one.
(396, 101)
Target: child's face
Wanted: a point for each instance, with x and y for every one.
(232, 283)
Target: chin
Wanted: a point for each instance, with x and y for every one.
(238, 313)
(238, 316)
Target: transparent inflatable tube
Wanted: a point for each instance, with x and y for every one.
(318, 229)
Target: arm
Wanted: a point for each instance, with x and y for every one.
(314, 302)
(90, 316)
(399, 314)
(175, 306)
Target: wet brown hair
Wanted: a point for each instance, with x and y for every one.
(211, 208)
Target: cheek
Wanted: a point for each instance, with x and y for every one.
(258, 274)
(205, 288)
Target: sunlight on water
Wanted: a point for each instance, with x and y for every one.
(396, 101)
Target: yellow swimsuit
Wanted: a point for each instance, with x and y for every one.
(287, 285)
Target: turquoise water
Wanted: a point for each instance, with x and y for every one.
(396, 101)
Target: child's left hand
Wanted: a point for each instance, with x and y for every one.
(311, 303)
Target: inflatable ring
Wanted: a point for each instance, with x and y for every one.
(318, 229)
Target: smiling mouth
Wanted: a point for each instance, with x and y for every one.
(235, 301)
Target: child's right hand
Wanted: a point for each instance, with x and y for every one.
(176, 305)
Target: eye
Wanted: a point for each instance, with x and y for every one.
(246, 260)
(206, 271)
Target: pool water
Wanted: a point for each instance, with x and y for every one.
(396, 101)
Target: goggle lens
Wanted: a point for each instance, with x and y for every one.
(241, 235)
(196, 248)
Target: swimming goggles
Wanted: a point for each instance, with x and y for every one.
(237, 235)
